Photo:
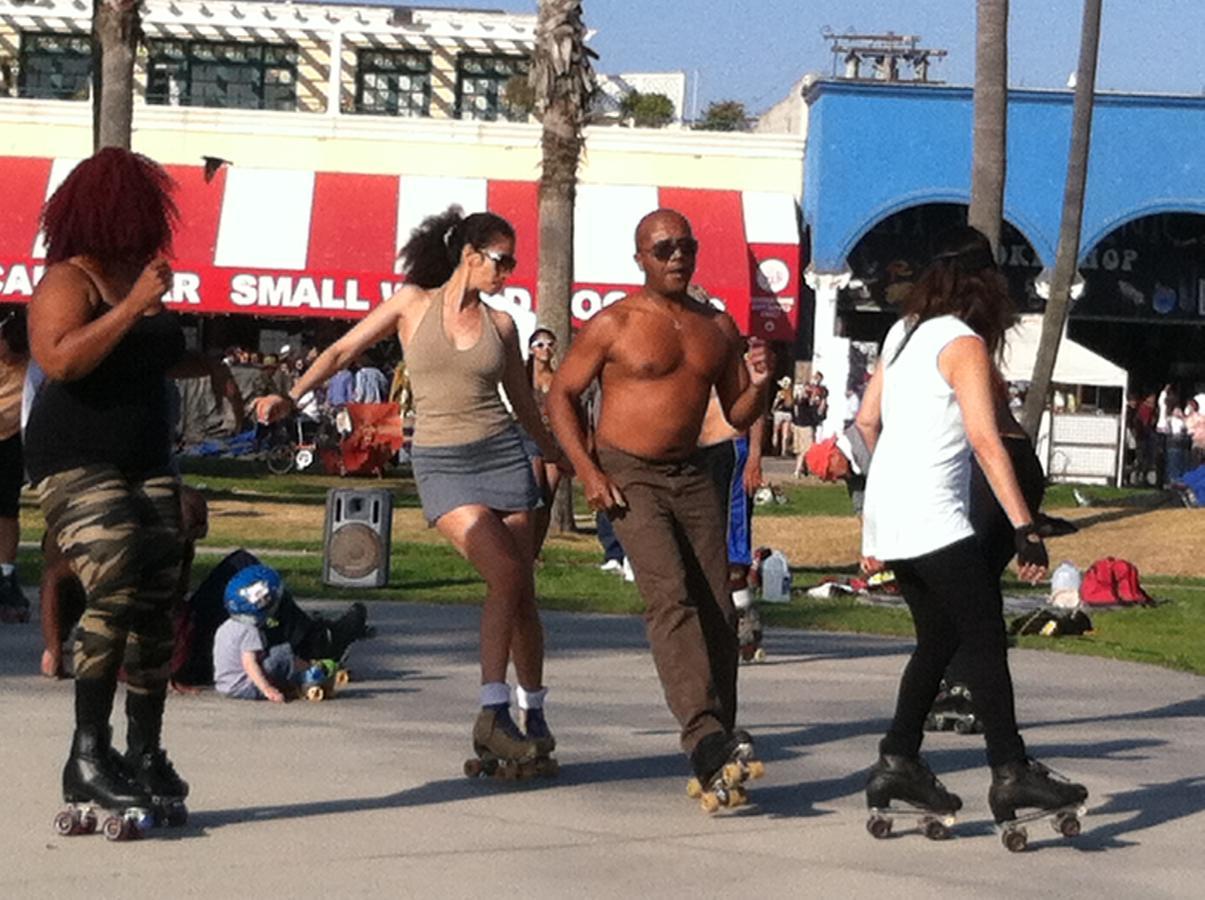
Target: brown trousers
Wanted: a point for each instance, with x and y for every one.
(674, 533)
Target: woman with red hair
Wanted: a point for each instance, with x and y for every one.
(98, 451)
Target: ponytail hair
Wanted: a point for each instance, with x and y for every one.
(433, 252)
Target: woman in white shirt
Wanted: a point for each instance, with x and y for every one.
(927, 408)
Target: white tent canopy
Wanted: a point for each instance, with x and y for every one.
(1076, 364)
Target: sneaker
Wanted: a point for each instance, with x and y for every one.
(628, 574)
(612, 565)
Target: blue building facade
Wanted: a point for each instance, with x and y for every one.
(884, 158)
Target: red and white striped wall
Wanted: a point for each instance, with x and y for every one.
(281, 242)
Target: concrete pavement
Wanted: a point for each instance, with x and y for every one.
(363, 796)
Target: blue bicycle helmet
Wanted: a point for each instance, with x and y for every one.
(253, 595)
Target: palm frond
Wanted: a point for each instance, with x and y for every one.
(561, 72)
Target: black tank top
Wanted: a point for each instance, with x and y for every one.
(116, 414)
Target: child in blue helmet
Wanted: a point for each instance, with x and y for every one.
(244, 666)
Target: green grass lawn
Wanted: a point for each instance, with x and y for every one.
(1172, 634)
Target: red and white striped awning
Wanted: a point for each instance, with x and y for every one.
(277, 242)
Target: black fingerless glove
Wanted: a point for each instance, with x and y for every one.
(1030, 548)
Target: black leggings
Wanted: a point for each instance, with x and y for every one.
(956, 607)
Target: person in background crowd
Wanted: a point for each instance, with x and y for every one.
(817, 395)
(803, 426)
(474, 480)
(541, 350)
(1179, 442)
(852, 403)
(341, 387)
(734, 460)
(780, 418)
(14, 358)
(1146, 415)
(371, 385)
(1194, 424)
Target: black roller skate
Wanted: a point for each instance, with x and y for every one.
(352, 626)
(147, 764)
(14, 605)
(535, 726)
(722, 764)
(909, 779)
(952, 710)
(1027, 784)
(503, 751)
(94, 780)
(749, 635)
(155, 774)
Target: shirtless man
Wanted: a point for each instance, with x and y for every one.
(734, 458)
(659, 353)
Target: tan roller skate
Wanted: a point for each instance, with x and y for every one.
(723, 763)
(503, 751)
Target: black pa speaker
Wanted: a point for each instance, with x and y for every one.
(356, 539)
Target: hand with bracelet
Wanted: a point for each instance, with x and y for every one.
(1032, 560)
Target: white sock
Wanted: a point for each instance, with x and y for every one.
(495, 693)
(7, 569)
(531, 699)
(742, 599)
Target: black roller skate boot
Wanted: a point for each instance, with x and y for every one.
(502, 749)
(952, 710)
(147, 761)
(910, 780)
(749, 635)
(93, 780)
(352, 626)
(14, 605)
(1027, 784)
(722, 763)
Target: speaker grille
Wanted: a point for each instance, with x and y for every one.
(354, 551)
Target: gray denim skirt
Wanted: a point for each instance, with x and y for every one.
(493, 472)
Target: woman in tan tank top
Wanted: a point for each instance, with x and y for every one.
(473, 478)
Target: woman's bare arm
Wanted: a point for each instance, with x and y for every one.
(965, 365)
(66, 339)
(869, 419)
(518, 387)
(379, 323)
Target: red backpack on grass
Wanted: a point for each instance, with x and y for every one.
(1111, 581)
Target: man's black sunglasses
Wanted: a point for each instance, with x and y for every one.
(664, 250)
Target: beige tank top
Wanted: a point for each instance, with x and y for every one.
(456, 398)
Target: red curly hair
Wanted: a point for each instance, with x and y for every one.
(115, 207)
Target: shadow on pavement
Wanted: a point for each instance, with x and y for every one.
(1184, 709)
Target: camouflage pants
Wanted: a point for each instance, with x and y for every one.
(121, 536)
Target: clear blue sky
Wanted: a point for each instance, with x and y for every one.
(754, 50)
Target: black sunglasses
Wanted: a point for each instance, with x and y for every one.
(665, 249)
(504, 261)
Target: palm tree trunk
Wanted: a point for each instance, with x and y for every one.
(989, 162)
(558, 191)
(116, 28)
(563, 81)
(1067, 256)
